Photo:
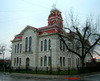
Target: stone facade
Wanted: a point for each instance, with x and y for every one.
(41, 47)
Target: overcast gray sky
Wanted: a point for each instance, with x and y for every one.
(15, 15)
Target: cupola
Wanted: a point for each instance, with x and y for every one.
(55, 17)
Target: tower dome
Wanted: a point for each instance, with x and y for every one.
(55, 17)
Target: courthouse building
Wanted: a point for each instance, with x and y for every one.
(41, 47)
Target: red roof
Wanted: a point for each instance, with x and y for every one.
(46, 27)
(51, 29)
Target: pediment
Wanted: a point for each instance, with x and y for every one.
(44, 33)
(26, 28)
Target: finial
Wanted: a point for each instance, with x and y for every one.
(53, 6)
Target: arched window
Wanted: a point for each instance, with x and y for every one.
(30, 44)
(14, 61)
(27, 62)
(15, 48)
(52, 14)
(20, 61)
(63, 61)
(45, 45)
(26, 44)
(41, 45)
(49, 44)
(17, 60)
(18, 48)
(60, 61)
(45, 60)
(41, 61)
(49, 61)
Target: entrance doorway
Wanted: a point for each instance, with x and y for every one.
(27, 62)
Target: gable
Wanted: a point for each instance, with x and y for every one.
(28, 27)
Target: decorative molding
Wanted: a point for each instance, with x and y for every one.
(24, 52)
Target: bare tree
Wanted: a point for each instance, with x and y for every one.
(87, 36)
(2, 48)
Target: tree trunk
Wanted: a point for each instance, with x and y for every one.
(83, 65)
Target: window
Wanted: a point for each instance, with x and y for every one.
(49, 45)
(14, 61)
(45, 45)
(26, 44)
(60, 45)
(59, 15)
(52, 15)
(30, 44)
(41, 45)
(20, 48)
(77, 46)
(17, 60)
(15, 48)
(69, 62)
(20, 61)
(60, 61)
(77, 61)
(63, 61)
(41, 61)
(49, 61)
(45, 60)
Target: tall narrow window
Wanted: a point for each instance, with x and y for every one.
(26, 44)
(17, 60)
(14, 61)
(45, 60)
(20, 61)
(30, 44)
(63, 61)
(49, 61)
(60, 61)
(49, 44)
(41, 61)
(45, 45)
(60, 45)
(20, 48)
(41, 45)
(15, 48)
